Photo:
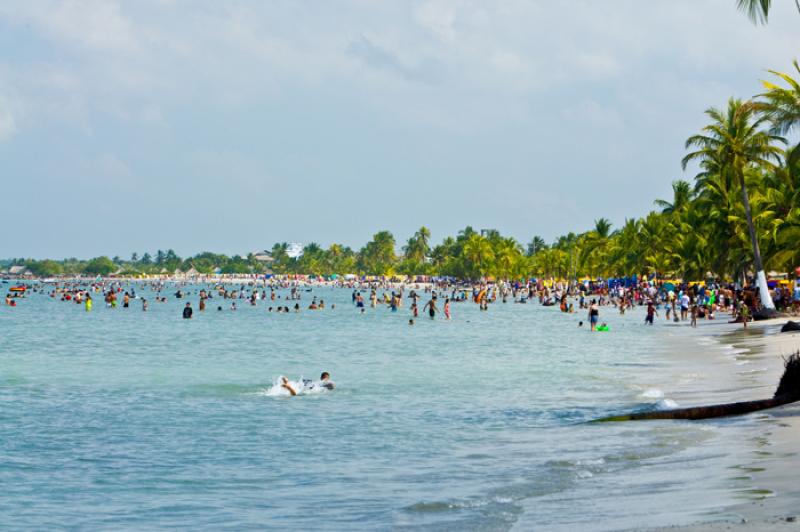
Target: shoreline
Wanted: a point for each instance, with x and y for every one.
(771, 503)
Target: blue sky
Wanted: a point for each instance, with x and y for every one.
(228, 126)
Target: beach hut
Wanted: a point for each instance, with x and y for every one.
(19, 270)
(264, 257)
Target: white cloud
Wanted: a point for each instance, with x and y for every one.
(92, 24)
(8, 125)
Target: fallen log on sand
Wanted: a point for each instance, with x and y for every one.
(788, 392)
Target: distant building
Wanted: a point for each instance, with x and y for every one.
(264, 257)
(18, 270)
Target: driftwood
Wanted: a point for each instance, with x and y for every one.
(788, 392)
(790, 326)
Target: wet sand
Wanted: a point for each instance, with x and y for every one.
(773, 457)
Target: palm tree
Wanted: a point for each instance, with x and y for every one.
(478, 250)
(602, 227)
(681, 196)
(418, 246)
(735, 139)
(781, 104)
(758, 10)
(535, 245)
(507, 254)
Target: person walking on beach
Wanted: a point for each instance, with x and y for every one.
(744, 312)
(187, 311)
(594, 314)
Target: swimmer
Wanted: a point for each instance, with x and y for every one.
(411, 321)
(285, 384)
(324, 382)
(187, 311)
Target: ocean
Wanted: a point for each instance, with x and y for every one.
(124, 419)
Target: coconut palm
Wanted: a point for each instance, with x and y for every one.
(507, 253)
(536, 244)
(478, 250)
(736, 140)
(681, 196)
(782, 104)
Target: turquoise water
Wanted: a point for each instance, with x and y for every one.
(120, 418)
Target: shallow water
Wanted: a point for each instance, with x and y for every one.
(119, 418)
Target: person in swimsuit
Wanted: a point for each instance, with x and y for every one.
(187, 311)
(324, 382)
(447, 308)
(431, 306)
(594, 314)
(651, 313)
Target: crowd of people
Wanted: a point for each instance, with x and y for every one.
(677, 303)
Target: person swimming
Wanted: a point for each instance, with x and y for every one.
(324, 382)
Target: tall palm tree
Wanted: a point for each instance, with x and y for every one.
(782, 104)
(681, 196)
(736, 140)
(536, 244)
(478, 250)
(602, 227)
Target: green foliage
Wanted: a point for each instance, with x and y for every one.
(45, 268)
(100, 266)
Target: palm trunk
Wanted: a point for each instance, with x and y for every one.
(712, 411)
(788, 392)
(761, 278)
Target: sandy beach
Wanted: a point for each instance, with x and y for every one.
(771, 457)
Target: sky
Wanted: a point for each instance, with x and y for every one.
(229, 126)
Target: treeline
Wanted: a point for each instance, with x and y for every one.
(747, 192)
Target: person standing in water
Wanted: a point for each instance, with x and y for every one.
(651, 313)
(594, 314)
(88, 303)
(447, 308)
(431, 306)
(187, 311)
